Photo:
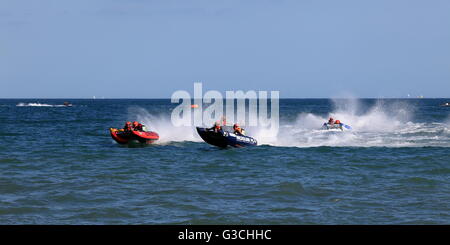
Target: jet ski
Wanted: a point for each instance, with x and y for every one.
(129, 136)
(446, 104)
(225, 137)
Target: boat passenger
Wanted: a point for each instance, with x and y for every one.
(337, 122)
(135, 125)
(238, 130)
(139, 127)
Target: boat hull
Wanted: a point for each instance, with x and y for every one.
(327, 126)
(225, 138)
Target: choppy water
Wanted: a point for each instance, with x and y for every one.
(58, 165)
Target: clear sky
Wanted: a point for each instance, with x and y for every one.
(149, 49)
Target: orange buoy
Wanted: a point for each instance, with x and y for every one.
(194, 106)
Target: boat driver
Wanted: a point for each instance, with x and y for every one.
(216, 127)
(127, 126)
(331, 121)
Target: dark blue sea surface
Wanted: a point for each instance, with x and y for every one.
(59, 165)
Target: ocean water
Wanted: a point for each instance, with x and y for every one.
(59, 165)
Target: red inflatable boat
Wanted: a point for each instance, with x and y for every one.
(124, 137)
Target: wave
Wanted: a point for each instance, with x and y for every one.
(383, 125)
(37, 105)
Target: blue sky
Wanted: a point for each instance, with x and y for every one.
(149, 49)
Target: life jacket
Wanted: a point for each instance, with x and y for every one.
(337, 122)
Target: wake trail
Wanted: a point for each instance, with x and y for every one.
(382, 125)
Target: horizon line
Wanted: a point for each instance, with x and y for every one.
(124, 98)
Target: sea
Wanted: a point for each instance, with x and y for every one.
(59, 165)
